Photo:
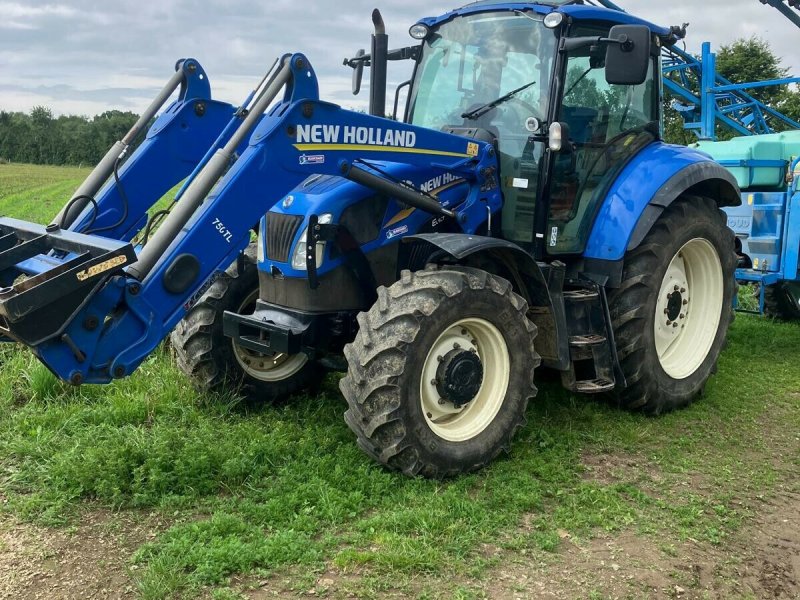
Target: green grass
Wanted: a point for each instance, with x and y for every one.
(284, 489)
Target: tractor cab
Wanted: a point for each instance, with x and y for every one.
(534, 80)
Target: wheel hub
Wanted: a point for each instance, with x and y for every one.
(674, 305)
(459, 377)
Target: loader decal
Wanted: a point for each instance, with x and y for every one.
(101, 267)
(321, 138)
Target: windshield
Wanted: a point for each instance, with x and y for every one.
(469, 68)
(474, 60)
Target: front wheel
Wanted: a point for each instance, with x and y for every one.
(672, 310)
(215, 362)
(440, 373)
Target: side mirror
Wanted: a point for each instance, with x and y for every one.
(358, 72)
(628, 56)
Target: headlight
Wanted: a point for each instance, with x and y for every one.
(419, 31)
(553, 20)
(299, 257)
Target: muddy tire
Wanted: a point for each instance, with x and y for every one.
(672, 311)
(441, 371)
(779, 301)
(215, 363)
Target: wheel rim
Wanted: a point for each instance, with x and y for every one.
(689, 308)
(460, 423)
(265, 367)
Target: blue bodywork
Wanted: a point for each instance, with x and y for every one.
(644, 176)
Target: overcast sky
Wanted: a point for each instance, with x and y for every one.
(88, 56)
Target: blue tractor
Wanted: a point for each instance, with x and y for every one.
(522, 211)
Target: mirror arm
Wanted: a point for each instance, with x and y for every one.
(569, 44)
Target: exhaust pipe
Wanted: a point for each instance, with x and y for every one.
(379, 60)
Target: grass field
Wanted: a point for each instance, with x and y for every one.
(278, 500)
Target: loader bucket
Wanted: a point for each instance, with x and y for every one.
(69, 267)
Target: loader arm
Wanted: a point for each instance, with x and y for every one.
(119, 310)
(115, 198)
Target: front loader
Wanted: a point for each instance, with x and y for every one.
(524, 210)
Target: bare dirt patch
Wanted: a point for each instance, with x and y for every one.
(761, 561)
(89, 560)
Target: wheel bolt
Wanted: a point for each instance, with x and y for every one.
(674, 325)
(685, 302)
(669, 322)
(430, 416)
(442, 401)
(677, 288)
(683, 316)
(666, 311)
(473, 350)
(683, 290)
(440, 358)
(456, 346)
(463, 332)
(434, 382)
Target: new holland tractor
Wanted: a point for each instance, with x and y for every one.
(522, 211)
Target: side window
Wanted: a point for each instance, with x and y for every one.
(606, 127)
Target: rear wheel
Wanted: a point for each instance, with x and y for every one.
(781, 300)
(215, 362)
(441, 371)
(672, 311)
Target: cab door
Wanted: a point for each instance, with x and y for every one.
(607, 126)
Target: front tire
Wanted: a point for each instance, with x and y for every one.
(672, 311)
(215, 362)
(441, 371)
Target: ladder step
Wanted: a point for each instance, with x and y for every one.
(581, 341)
(580, 295)
(594, 386)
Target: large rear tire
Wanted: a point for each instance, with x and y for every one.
(441, 371)
(780, 300)
(216, 363)
(672, 311)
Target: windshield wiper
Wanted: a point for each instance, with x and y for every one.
(482, 110)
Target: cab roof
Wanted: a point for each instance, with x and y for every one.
(574, 9)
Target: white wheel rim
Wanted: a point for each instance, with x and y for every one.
(689, 308)
(464, 423)
(265, 367)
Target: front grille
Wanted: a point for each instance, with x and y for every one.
(281, 230)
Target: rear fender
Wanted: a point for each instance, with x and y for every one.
(654, 179)
(540, 284)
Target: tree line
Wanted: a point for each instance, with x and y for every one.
(39, 137)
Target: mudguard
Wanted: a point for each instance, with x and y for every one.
(539, 283)
(653, 180)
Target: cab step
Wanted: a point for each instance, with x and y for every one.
(594, 386)
(591, 368)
